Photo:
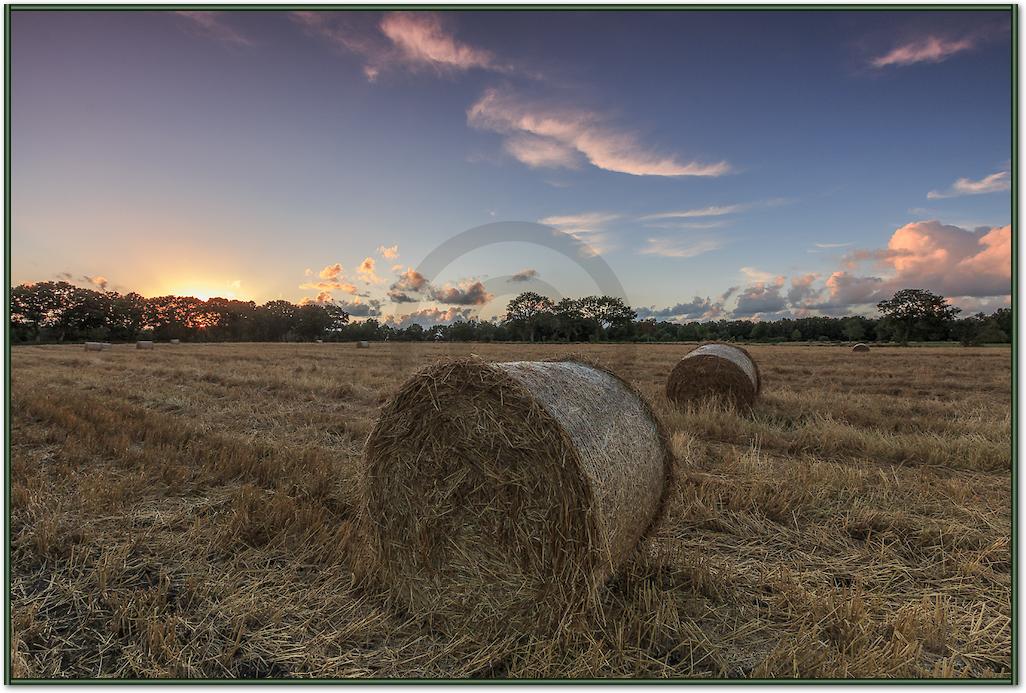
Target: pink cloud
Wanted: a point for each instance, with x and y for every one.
(422, 40)
(366, 271)
(390, 252)
(546, 135)
(931, 49)
(995, 182)
(331, 271)
(414, 41)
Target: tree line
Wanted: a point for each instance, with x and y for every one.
(61, 312)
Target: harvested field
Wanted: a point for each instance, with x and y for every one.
(189, 512)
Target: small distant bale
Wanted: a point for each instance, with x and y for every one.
(860, 347)
(319, 341)
(94, 346)
(363, 345)
(176, 341)
(502, 495)
(108, 345)
(144, 344)
(718, 371)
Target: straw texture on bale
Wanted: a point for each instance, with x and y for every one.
(860, 347)
(502, 495)
(94, 346)
(144, 345)
(363, 345)
(719, 371)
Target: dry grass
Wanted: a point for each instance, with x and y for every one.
(188, 511)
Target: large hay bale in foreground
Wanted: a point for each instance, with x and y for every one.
(719, 371)
(363, 345)
(860, 347)
(144, 344)
(94, 346)
(502, 495)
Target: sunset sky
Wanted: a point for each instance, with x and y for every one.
(724, 164)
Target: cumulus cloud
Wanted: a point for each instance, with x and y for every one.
(212, 25)
(413, 41)
(469, 294)
(995, 182)
(361, 309)
(410, 280)
(396, 296)
(554, 136)
(332, 285)
(760, 298)
(331, 271)
(801, 290)
(429, 317)
(674, 247)
(946, 259)
(696, 309)
(928, 49)
(331, 278)
(366, 271)
(390, 252)
(524, 275)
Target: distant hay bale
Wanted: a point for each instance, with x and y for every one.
(176, 341)
(319, 341)
(504, 494)
(719, 371)
(860, 347)
(144, 344)
(107, 345)
(363, 345)
(94, 346)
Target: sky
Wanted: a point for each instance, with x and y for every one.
(722, 164)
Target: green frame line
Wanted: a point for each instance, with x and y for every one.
(1013, 9)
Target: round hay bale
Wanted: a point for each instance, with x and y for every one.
(144, 344)
(176, 341)
(860, 347)
(94, 346)
(363, 345)
(719, 371)
(502, 495)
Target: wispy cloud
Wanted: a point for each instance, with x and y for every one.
(832, 245)
(995, 182)
(414, 41)
(212, 25)
(929, 49)
(713, 211)
(544, 135)
(590, 228)
(672, 247)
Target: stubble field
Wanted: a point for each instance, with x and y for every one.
(187, 512)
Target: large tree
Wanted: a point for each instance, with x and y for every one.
(526, 312)
(917, 311)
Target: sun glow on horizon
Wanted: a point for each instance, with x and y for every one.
(205, 291)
